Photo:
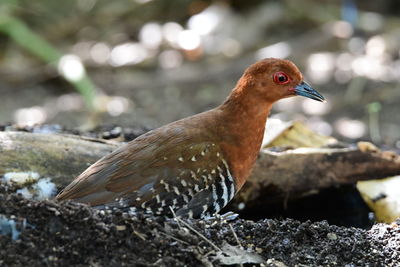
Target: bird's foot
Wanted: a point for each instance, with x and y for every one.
(229, 216)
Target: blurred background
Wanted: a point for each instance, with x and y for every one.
(149, 62)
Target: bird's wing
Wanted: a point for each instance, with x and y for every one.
(164, 168)
(193, 182)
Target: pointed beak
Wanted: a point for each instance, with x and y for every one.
(306, 90)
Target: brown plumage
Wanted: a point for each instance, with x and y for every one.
(197, 164)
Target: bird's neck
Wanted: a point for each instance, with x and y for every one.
(244, 116)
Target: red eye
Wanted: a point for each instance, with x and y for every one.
(281, 78)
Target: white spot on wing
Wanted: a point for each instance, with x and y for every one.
(205, 207)
(180, 159)
(193, 158)
(225, 164)
(230, 177)
(224, 190)
(166, 186)
(190, 191)
(215, 197)
(176, 190)
(214, 192)
(190, 214)
(196, 188)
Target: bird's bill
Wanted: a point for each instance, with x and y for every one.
(306, 90)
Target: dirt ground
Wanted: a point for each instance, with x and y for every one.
(71, 234)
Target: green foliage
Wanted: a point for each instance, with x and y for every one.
(20, 33)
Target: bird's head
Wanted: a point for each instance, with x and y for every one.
(273, 79)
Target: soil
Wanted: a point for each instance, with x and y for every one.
(71, 234)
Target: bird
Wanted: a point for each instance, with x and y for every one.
(194, 166)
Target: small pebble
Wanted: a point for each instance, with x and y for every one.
(332, 236)
(120, 227)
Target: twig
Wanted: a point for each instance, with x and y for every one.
(139, 235)
(176, 218)
(175, 238)
(199, 234)
(235, 235)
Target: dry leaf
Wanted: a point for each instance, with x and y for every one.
(230, 255)
(383, 197)
(293, 134)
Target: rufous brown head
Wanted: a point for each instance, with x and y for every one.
(273, 79)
